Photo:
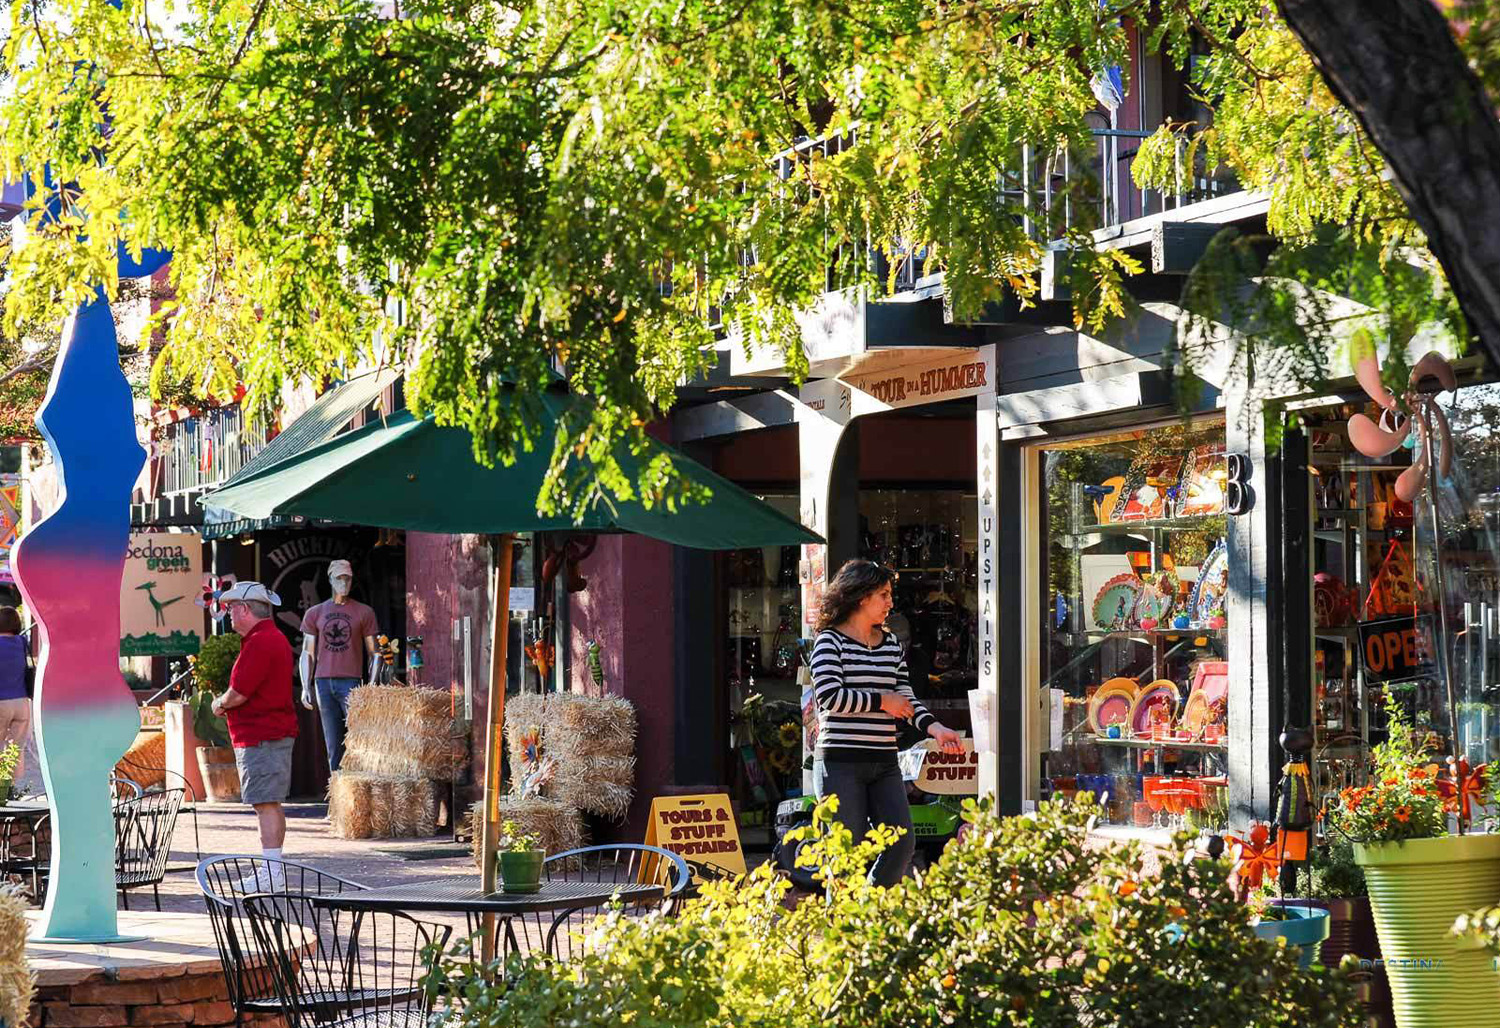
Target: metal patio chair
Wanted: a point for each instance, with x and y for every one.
(345, 969)
(143, 841)
(560, 932)
(247, 970)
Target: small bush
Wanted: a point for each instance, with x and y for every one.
(1018, 923)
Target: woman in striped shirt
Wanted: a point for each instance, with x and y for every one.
(860, 686)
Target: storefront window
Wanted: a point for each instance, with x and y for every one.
(929, 537)
(1134, 678)
(763, 623)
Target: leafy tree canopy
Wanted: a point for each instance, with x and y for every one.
(480, 190)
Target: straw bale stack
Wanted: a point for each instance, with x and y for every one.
(522, 713)
(17, 985)
(400, 731)
(557, 826)
(593, 740)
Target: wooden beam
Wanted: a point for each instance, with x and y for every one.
(1178, 246)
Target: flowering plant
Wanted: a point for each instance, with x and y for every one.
(1404, 798)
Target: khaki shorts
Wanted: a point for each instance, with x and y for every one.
(265, 771)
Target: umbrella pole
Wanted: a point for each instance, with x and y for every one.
(493, 738)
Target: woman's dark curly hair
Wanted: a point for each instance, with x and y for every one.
(855, 580)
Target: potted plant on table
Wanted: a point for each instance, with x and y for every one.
(520, 860)
(211, 668)
(1421, 878)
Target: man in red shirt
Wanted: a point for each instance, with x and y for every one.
(262, 719)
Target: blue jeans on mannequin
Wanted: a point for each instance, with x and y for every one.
(333, 708)
(871, 792)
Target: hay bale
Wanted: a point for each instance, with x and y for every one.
(399, 731)
(414, 810)
(557, 826)
(597, 784)
(600, 725)
(349, 804)
(382, 808)
(17, 984)
(145, 763)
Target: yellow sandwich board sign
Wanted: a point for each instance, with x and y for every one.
(700, 828)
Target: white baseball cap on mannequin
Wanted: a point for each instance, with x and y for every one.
(340, 568)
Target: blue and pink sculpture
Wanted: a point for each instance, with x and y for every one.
(68, 568)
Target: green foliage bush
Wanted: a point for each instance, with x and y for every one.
(211, 670)
(1018, 923)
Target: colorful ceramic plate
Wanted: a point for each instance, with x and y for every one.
(1106, 507)
(1110, 705)
(1162, 692)
(1115, 602)
(1212, 584)
(1153, 604)
(1195, 713)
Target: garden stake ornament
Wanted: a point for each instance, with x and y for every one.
(1432, 460)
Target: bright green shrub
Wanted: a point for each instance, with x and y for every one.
(1017, 924)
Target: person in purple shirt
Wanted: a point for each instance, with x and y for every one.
(15, 706)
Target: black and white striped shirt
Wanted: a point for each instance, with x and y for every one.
(848, 678)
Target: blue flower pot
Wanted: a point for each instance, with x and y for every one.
(1305, 927)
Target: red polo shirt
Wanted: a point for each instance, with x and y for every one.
(263, 675)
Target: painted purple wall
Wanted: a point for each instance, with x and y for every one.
(447, 577)
(628, 610)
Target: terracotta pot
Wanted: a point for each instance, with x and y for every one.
(1417, 889)
(221, 779)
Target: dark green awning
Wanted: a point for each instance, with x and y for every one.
(326, 418)
(409, 473)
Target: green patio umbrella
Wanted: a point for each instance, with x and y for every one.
(407, 472)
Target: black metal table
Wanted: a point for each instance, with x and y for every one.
(19, 823)
(463, 895)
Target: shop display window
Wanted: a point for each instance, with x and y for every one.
(929, 536)
(1133, 672)
(763, 622)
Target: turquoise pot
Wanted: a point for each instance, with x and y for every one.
(1304, 927)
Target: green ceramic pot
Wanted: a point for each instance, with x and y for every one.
(1417, 889)
(521, 870)
(1302, 926)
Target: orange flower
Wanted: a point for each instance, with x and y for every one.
(1391, 780)
(1403, 814)
(1126, 888)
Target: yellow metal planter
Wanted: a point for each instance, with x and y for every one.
(1417, 889)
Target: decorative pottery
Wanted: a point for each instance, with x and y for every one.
(1160, 693)
(221, 778)
(1302, 926)
(1218, 622)
(1115, 602)
(1105, 507)
(1212, 584)
(1148, 624)
(1195, 713)
(1417, 889)
(1182, 621)
(1110, 704)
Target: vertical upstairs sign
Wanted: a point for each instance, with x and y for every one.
(987, 486)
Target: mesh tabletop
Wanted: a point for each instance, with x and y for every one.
(463, 895)
(25, 810)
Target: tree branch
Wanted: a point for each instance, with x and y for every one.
(1396, 65)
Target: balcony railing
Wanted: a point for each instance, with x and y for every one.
(203, 451)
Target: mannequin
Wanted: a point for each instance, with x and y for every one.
(338, 647)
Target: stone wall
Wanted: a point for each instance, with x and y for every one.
(164, 996)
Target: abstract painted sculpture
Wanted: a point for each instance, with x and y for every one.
(68, 568)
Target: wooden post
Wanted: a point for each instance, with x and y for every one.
(494, 740)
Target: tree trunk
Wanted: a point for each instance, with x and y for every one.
(1396, 65)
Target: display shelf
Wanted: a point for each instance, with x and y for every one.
(1189, 524)
(1169, 634)
(1166, 744)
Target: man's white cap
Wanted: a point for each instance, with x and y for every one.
(340, 567)
(249, 591)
